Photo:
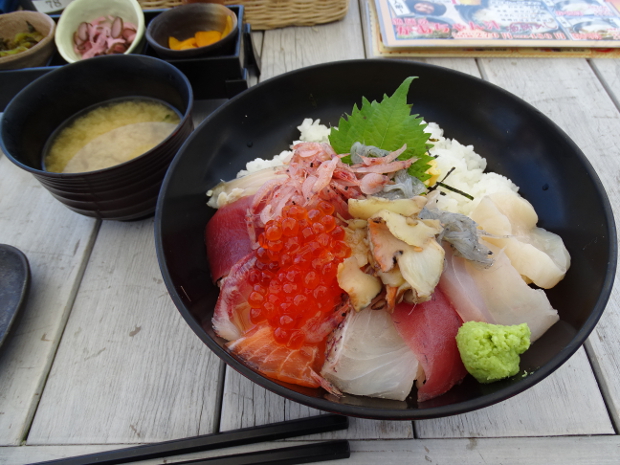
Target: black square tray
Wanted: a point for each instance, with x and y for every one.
(220, 76)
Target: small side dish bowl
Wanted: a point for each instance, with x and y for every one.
(183, 21)
(126, 191)
(16, 22)
(79, 11)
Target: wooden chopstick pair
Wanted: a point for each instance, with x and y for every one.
(313, 452)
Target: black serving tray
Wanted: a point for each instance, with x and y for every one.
(219, 76)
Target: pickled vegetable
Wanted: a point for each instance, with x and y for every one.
(21, 42)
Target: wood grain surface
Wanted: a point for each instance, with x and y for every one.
(101, 357)
(128, 349)
(57, 243)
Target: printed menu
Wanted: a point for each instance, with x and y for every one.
(552, 24)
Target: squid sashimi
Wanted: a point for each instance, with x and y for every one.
(429, 328)
(227, 237)
(366, 356)
(539, 255)
(496, 295)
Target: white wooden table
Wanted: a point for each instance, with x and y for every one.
(102, 359)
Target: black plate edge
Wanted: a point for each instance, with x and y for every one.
(24, 276)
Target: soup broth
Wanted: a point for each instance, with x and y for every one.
(109, 134)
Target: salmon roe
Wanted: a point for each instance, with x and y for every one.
(296, 268)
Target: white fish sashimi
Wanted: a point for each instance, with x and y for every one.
(461, 289)
(368, 357)
(497, 294)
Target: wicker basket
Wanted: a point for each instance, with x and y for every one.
(271, 14)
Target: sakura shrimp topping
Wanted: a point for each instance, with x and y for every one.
(315, 172)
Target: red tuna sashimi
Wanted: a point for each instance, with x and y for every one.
(227, 237)
(430, 328)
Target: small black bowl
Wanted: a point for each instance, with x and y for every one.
(517, 140)
(182, 22)
(127, 191)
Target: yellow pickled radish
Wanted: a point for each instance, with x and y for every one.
(189, 43)
(204, 38)
(174, 43)
(201, 38)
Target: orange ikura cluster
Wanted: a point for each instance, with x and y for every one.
(295, 276)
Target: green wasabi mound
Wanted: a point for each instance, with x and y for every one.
(491, 352)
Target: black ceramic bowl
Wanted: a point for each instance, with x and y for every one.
(123, 192)
(183, 21)
(517, 141)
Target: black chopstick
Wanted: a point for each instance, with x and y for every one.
(271, 432)
(307, 453)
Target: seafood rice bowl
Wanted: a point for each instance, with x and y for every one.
(376, 266)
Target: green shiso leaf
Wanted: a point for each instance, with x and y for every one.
(387, 125)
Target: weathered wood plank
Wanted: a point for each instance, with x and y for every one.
(464, 65)
(608, 72)
(604, 344)
(246, 404)
(571, 95)
(128, 369)
(576, 450)
(557, 405)
(57, 243)
(291, 48)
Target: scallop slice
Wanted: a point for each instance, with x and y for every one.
(539, 255)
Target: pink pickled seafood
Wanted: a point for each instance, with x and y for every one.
(105, 35)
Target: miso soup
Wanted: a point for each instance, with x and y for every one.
(109, 134)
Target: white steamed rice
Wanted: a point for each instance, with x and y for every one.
(468, 175)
